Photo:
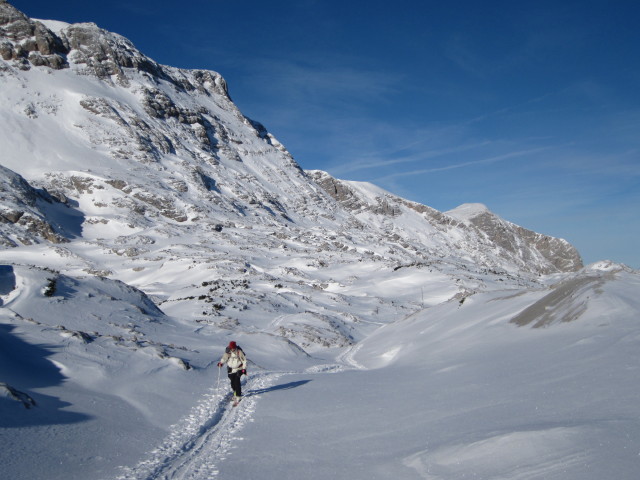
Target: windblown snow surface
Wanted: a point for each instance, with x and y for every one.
(510, 384)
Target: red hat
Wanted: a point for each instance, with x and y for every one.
(232, 345)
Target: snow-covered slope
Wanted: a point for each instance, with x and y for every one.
(145, 222)
(458, 391)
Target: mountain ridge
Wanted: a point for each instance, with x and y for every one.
(164, 118)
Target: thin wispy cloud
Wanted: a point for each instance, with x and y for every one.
(420, 155)
(472, 163)
(321, 85)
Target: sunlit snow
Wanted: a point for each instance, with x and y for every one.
(385, 339)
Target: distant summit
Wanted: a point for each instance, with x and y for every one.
(530, 246)
(467, 211)
(470, 230)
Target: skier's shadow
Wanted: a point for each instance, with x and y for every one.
(284, 386)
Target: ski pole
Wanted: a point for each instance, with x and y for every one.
(218, 383)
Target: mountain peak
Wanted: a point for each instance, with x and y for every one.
(86, 48)
(467, 211)
(28, 42)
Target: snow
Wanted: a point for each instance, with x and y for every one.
(467, 211)
(53, 25)
(454, 390)
(452, 393)
(380, 345)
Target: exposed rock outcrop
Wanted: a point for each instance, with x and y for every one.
(23, 215)
(29, 42)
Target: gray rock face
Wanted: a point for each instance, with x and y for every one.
(559, 253)
(102, 53)
(23, 216)
(29, 42)
(484, 231)
(341, 192)
(105, 54)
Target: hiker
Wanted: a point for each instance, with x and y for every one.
(236, 367)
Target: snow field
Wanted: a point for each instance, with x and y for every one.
(454, 390)
(459, 392)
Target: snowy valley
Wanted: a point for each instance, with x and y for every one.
(145, 222)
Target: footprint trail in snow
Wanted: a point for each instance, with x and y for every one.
(203, 438)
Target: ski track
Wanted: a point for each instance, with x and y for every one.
(203, 438)
(347, 357)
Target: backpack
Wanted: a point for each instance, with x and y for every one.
(228, 350)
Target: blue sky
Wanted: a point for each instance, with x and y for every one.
(532, 108)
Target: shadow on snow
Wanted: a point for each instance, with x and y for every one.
(25, 367)
(284, 386)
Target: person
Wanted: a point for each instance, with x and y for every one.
(236, 367)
